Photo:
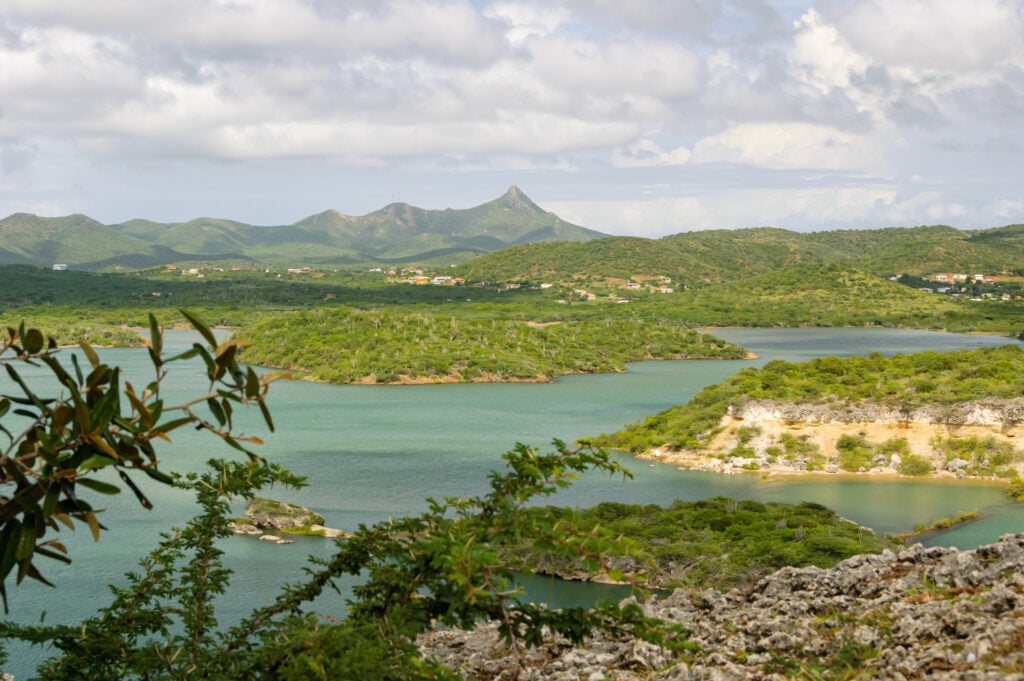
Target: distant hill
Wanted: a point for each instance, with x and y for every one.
(397, 233)
(726, 255)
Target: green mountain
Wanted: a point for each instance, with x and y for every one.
(72, 239)
(398, 233)
(724, 255)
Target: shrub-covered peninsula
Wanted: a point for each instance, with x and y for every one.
(955, 413)
(345, 345)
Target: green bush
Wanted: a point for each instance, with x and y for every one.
(912, 464)
(855, 453)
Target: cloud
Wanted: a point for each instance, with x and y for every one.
(786, 145)
(644, 153)
(812, 208)
(600, 91)
(936, 36)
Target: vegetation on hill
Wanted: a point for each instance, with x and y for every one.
(344, 345)
(902, 382)
(717, 256)
(718, 542)
(813, 295)
(394, 234)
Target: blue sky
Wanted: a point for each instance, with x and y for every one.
(650, 117)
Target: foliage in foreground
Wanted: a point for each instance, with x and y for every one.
(345, 346)
(720, 543)
(58, 445)
(444, 567)
(902, 382)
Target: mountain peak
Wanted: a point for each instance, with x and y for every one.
(515, 198)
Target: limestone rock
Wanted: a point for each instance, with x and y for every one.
(935, 613)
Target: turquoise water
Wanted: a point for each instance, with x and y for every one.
(374, 452)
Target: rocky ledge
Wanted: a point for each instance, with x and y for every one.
(265, 516)
(935, 613)
(752, 436)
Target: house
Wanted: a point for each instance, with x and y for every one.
(60, 267)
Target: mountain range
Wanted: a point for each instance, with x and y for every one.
(398, 233)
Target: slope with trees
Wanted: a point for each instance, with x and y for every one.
(957, 412)
(351, 346)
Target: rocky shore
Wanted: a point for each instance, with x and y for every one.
(750, 434)
(922, 613)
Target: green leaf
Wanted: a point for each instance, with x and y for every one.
(159, 476)
(146, 504)
(252, 383)
(98, 486)
(216, 410)
(50, 502)
(90, 354)
(95, 462)
(33, 341)
(266, 415)
(199, 326)
(26, 542)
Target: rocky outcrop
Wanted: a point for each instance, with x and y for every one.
(935, 613)
(750, 437)
(1000, 413)
(263, 516)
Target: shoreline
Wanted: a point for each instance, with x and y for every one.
(783, 473)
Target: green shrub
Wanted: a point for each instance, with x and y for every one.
(855, 453)
(1016, 489)
(912, 464)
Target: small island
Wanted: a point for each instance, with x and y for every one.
(265, 517)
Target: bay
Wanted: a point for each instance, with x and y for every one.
(375, 452)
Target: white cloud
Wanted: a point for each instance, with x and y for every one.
(525, 20)
(801, 209)
(601, 91)
(786, 145)
(822, 56)
(1009, 209)
(645, 152)
(646, 67)
(936, 35)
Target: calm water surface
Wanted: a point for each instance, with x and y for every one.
(371, 453)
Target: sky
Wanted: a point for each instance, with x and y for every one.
(646, 118)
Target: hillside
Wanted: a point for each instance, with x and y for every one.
(959, 412)
(398, 233)
(696, 258)
(73, 239)
(344, 345)
(815, 295)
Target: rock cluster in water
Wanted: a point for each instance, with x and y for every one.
(935, 613)
(263, 516)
